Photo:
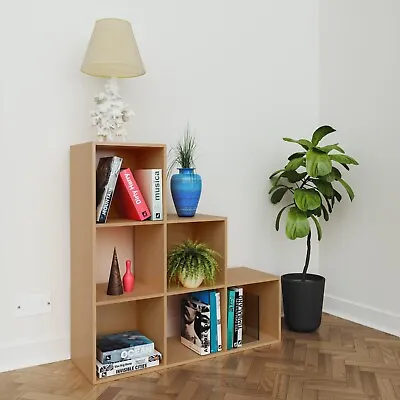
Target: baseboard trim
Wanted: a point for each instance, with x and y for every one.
(365, 315)
(35, 353)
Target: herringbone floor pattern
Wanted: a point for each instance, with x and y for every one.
(342, 361)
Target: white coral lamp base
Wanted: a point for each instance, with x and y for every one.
(190, 283)
(111, 113)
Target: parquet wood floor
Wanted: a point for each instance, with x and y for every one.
(342, 361)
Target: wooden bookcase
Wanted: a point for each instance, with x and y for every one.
(152, 305)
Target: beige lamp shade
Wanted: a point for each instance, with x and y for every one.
(112, 51)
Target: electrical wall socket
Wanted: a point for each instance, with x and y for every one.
(32, 304)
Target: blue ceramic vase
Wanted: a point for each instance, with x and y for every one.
(186, 189)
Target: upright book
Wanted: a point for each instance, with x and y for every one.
(195, 326)
(150, 183)
(106, 179)
(129, 197)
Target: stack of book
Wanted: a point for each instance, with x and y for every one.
(125, 352)
(201, 322)
(137, 193)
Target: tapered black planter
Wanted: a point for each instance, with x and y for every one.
(302, 301)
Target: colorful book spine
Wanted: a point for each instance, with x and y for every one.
(230, 317)
(107, 172)
(195, 326)
(130, 199)
(209, 297)
(150, 183)
(219, 328)
(238, 318)
(106, 370)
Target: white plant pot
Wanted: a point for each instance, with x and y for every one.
(190, 283)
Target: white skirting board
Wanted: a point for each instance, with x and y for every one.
(368, 316)
(34, 353)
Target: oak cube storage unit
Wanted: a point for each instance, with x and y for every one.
(149, 308)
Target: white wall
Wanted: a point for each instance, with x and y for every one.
(244, 74)
(359, 91)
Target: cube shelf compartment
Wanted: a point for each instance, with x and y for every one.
(153, 306)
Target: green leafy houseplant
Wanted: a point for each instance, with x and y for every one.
(309, 181)
(311, 177)
(182, 154)
(191, 263)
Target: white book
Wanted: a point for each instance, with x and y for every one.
(219, 330)
(150, 181)
(106, 370)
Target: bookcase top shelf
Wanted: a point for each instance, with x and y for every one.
(119, 144)
(171, 219)
(245, 276)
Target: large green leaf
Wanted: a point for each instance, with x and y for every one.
(328, 203)
(278, 217)
(325, 212)
(321, 132)
(304, 143)
(324, 187)
(318, 226)
(296, 155)
(337, 173)
(294, 164)
(330, 147)
(334, 175)
(343, 159)
(318, 163)
(349, 190)
(337, 195)
(276, 173)
(307, 199)
(277, 196)
(297, 224)
(275, 187)
(294, 176)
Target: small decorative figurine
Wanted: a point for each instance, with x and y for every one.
(129, 278)
(114, 281)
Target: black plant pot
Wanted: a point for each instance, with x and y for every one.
(302, 301)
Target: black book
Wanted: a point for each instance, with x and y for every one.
(107, 173)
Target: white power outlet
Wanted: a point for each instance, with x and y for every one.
(32, 304)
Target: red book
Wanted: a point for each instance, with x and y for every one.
(130, 199)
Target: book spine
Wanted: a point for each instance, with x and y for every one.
(219, 328)
(213, 322)
(136, 207)
(157, 198)
(101, 368)
(231, 314)
(238, 317)
(124, 354)
(105, 203)
(129, 367)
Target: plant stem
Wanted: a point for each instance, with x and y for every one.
(307, 256)
(305, 181)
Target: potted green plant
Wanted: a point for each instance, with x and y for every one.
(191, 263)
(309, 182)
(186, 185)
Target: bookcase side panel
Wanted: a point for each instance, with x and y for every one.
(82, 242)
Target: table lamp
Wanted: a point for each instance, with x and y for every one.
(112, 53)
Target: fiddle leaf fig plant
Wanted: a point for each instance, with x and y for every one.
(310, 181)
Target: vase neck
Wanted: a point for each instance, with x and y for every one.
(186, 170)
